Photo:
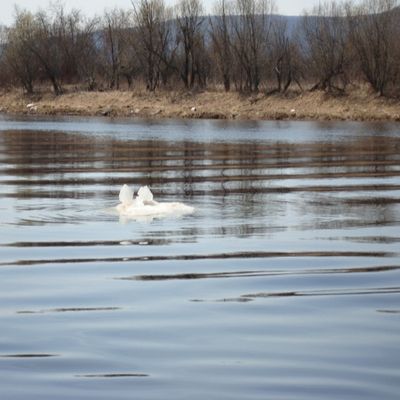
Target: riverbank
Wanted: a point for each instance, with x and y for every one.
(358, 105)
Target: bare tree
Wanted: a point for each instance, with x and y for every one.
(152, 42)
(50, 39)
(54, 45)
(87, 53)
(42, 42)
(326, 46)
(374, 32)
(3, 65)
(66, 33)
(221, 41)
(251, 36)
(115, 31)
(282, 55)
(17, 53)
(189, 18)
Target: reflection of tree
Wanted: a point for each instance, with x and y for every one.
(358, 163)
(239, 180)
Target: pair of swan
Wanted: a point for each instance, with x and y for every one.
(144, 205)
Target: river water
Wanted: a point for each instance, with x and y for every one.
(284, 283)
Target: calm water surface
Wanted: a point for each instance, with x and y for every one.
(284, 284)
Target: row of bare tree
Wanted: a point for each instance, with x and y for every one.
(244, 45)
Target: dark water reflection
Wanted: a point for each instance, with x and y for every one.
(284, 284)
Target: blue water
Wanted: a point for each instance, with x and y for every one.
(284, 283)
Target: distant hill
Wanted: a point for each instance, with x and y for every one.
(291, 21)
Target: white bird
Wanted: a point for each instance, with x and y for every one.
(144, 204)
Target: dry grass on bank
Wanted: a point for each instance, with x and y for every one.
(357, 105)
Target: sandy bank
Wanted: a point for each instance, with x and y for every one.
(357, 105)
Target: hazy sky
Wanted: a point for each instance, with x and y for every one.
(92, 7)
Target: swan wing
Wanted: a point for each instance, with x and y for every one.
(126, 195)
(145, 194)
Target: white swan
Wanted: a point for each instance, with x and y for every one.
(144, 205)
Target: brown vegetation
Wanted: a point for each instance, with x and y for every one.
(359, 104)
